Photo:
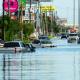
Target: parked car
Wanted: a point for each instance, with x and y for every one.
(17, 46)
(36, 43)
(43, 37)
(63, 36)
(42, 43)
(2, 43)
(46, 43)
(72, 37)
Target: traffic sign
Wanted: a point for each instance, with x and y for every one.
(10, 5)
(47, 8)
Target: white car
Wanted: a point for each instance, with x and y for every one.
(36, 43)
(16, 46)
(46, 43)
(72, 37)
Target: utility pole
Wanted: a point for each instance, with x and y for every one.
(9, 8)
(37, 19)
(4, 65)
(3, 23)
(73, 27)
(74, 13)
(74, 64)
(21, 21)
(30, 11)
(79, 15)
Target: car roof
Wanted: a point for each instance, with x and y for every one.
(13, 41)
(73, 33)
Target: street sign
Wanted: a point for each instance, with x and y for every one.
(47, 8)
(10, 5)
(23, 2)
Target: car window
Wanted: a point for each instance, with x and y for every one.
(73, 34)
(46, 42)
(43, 37)
(36, 42)
(11, 44)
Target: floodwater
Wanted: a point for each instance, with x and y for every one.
(58, 63)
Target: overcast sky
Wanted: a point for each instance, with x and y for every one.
(64, 9)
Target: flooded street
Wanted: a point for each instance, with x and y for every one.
(57, 63)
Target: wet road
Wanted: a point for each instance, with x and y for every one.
(58, 63)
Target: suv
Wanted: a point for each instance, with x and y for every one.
(72, 37)
(18, 46)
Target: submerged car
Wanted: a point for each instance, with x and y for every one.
(63, 36)
(46, 43)
(17, 46)
(36, 43)
(42, 43)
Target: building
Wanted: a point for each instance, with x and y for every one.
(62, 21)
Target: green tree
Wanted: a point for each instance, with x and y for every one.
(13, 28)
(56, 28)
(28, 28)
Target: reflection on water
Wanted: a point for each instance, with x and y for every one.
(59, 63)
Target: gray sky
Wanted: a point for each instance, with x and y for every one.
(64, 9)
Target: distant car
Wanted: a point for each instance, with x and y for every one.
(63, 36)
(72, 37)
(2, 43)
(43, 37)
(78, 41)
(36, 43)
(46, 43)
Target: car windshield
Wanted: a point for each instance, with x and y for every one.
(73, 34)
(12, 44)
(36, 42)
(43, 37)
(22, 44)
